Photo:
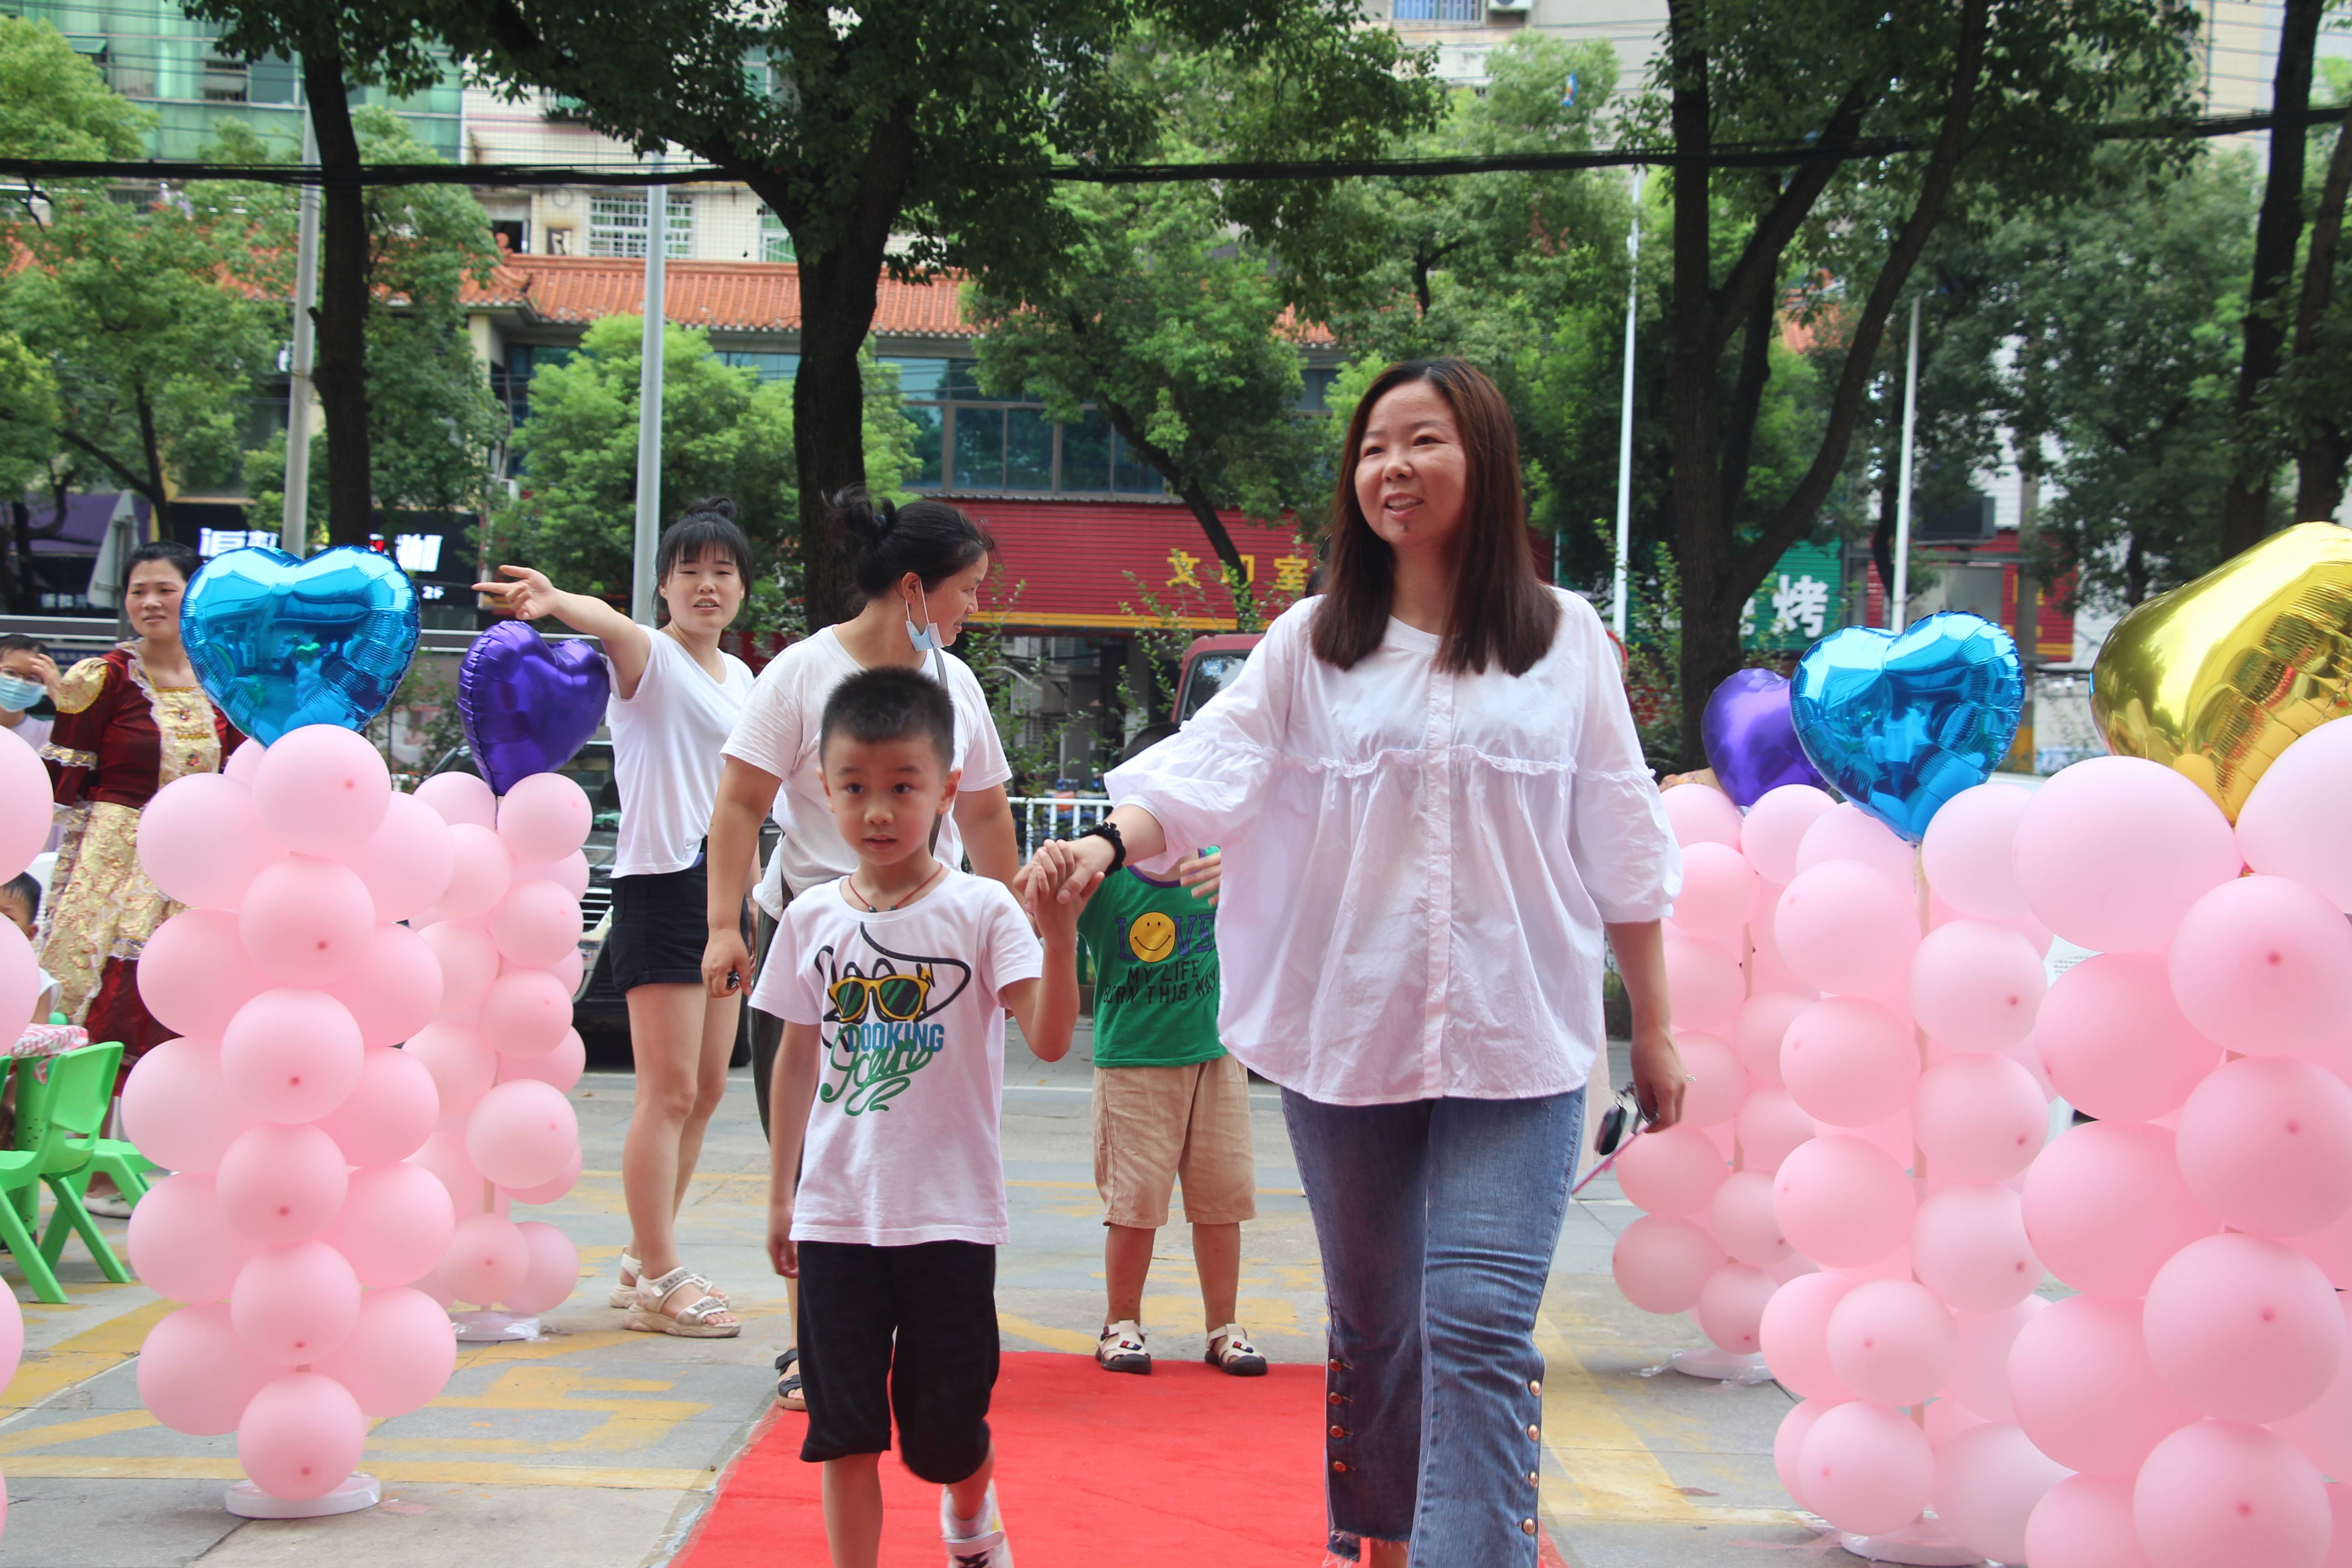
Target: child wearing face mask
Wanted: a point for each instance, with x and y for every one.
(28, 683)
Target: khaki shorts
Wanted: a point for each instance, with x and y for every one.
(1154, 1125)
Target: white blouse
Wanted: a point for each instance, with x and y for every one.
(1417, 865)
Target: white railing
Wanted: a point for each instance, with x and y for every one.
(1037, 817)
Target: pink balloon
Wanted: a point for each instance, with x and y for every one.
(1843, 926)
(537, 923)
(1892, 1341)
(293, 1305)
(291, 1055)
(560, 1067)
(177, 1109)
(302, 1434)
(545, 817)
(1718, 894)
(244, 761)
(546, 1191)
(2085, 1521)
(1774, 827)
(1701, 814)
(321, 789)
(2322, 1431)
(2266, 1145)
(554, 1271)
(1731, 1306)
(307, 922)
(1793, 1333)
(400, 1356)
(1768, 971)
(2331, 1249)
(193, 973)
(1846, 832)
(1741, 1216)
(469, 962)
(201, 841)
(1945, 1419)
(195, 1375)
(397, 989)
(1849, 1061)
(1704, 984)
(389, 1114)
(2339, 1544)
(2085, 1391)
(25, 805)
(1867, 1468)
(2106, 1206)
(181, 1244)
(12, 1336)
(281, 1184)
(2219, 1492)
(528, 1012)
(1671, 1172)
(1789, 1439)
(1763, 1022)
(1771, 1126)
(1978, 1117)
(395, 1227)
(2116, 1043)
(2263, 964)
(1968, 1245)
(1976, 984)
(2111, 852)
(488, 1258)
(1841, 1202)
(1717, 1082)
(570, 873)
(406, 861)
(1988, 1482)
(2243, 1328)
(460, 798)
(568, 972)
(1968, 852)
(462, 1064)
(1662, 1265)
(521, 1133)
(480, 871)
(1980, 1379)
(2293, 825)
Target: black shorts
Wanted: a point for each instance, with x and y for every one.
(937, 1302)
(660, 926)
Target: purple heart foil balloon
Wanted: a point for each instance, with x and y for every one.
(528, 705)
(1750, 742)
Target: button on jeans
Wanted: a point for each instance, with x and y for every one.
(1437, 1220)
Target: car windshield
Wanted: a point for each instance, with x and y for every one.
(1211, 673)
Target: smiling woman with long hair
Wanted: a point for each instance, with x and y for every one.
(1435, 813)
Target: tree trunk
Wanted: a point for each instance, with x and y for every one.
(837, 298)
(24, 597)
(2246, 507)
(341, 375)
(2319, 460)
(1710, 630)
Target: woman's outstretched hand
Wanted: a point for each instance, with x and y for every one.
(529, 597)
(1659, 1077)
(1061, 870)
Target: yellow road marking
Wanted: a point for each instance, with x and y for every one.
(83, 1356)
(1069, 1340)
(628, 1425)
(61, 1467)
(59, 1432)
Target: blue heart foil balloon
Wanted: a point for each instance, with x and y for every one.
(1751, 743)
(1902, 722)
(279, 642)
(528, 705)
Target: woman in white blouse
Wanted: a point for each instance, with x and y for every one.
(1433, 809)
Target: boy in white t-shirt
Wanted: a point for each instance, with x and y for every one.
(892, 982)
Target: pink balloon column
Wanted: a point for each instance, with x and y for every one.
(24, 828)
(290, 1227)
(1710, 1243)
(502, 1047)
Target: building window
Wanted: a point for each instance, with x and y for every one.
(1441, 10)
(771, 367)
(617, 226)
(775, 239)
(984, 443)
(223, 80)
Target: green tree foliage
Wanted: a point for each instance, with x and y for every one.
(55, 104)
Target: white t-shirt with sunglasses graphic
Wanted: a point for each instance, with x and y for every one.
(902, 1140)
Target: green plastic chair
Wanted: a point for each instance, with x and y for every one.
(20, 1199)
(60, 1116)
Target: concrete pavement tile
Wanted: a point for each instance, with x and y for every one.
(436, 1525)
(73, 1523)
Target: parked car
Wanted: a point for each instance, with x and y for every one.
(1211, 664)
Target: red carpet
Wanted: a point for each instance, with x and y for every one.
(1092, 1470)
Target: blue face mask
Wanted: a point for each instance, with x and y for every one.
(17, 694)
(926, 637)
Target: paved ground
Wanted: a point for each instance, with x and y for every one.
(599, 1446)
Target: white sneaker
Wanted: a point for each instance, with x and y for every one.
(986, 1549)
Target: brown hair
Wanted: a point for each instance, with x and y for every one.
(1501, 611)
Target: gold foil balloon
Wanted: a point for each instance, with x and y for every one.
(2216, 679)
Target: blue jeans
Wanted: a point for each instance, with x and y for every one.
(1436, 1220)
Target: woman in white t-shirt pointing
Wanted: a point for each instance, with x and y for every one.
(675, 699)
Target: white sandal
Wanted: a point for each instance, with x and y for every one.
(1235, 1354)
(1120, 1348)
(624, 1294)
(688, 1323)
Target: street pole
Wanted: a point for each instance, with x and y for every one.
(1625, 424)
(649, 409)
(2029, 613)
(1898, 604)
(294, 527)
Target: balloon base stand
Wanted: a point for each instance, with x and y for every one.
(1723, 1366)
(351, 1494)
(495, 1328)
(1923, 1542)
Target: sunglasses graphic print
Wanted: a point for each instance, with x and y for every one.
(878, 1028)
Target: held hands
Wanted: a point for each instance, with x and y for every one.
(1062, 872)
(529, 597)
(1659, 1077)
(1204, 874)
(1054, 907)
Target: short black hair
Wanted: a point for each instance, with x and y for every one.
(17, 642)
(890, 704)
(25, 886)
(1145, 738)
(183, 559)
(705, 527)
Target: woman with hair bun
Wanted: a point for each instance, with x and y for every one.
(919, 567)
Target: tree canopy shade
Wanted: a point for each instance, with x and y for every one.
(2008, 96)
(936, 122)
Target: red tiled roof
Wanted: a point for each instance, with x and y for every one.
(727, 296)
